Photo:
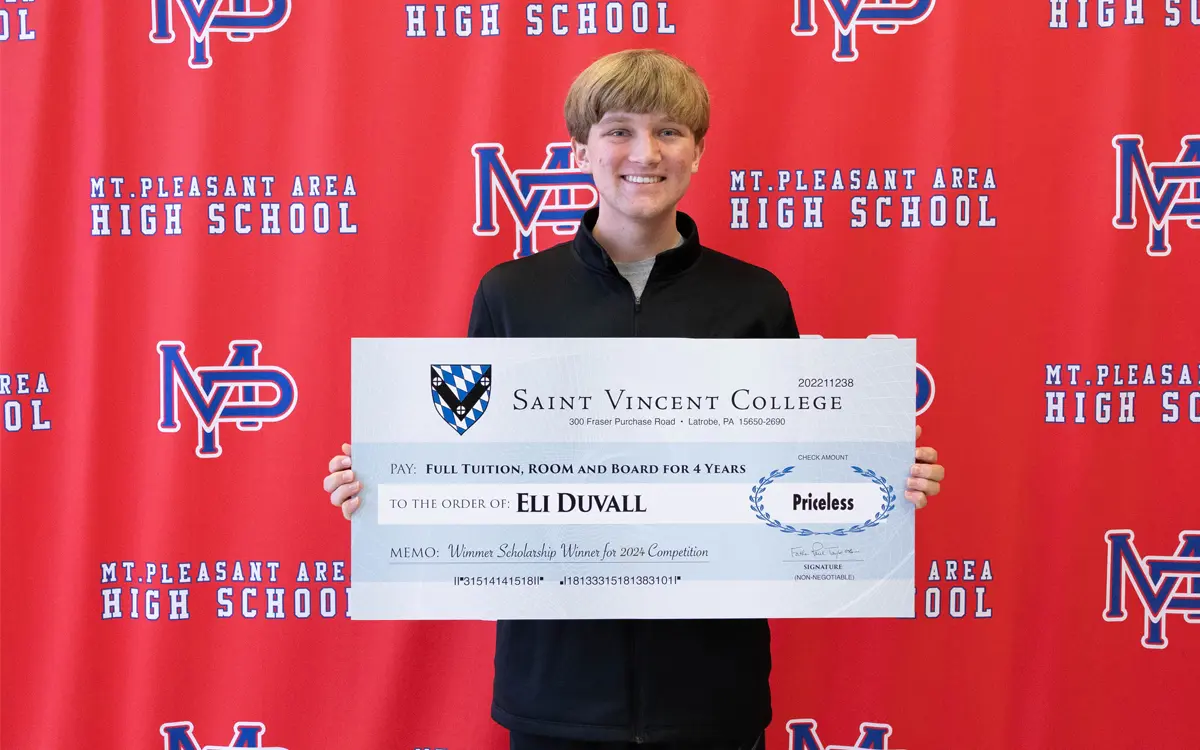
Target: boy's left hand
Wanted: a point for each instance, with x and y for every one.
(925, 481)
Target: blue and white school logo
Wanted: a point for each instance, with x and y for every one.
(1165, 584)
(926, 389)
(180, 735)
(460, 393)
(203, 16)
(226, 393)
(543, 197)
(802, 734)
(1162, 185)
(884, 16)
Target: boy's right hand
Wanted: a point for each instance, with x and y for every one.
(340, 484)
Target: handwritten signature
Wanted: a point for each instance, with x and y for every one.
(820, 549)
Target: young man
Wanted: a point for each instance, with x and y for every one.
(637, 121)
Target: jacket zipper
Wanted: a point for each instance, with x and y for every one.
(636, 691)
(637, 301)
(635, 687)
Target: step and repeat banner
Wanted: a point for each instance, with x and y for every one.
(198, 191)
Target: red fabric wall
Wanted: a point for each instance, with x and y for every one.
(1044, 274)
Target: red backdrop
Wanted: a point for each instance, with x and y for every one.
(1009, 277)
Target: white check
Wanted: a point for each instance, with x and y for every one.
(632, 478)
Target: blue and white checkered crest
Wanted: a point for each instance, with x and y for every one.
(460, 393)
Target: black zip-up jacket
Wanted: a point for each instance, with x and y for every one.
(632, 680)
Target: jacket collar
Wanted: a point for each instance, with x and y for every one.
(667, 263)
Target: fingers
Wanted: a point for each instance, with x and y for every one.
(935, 472)
(340, 484)
(926, 486)
(344, 493)
(926, 478)
(337, 479)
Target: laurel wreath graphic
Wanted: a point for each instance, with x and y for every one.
(889, 504)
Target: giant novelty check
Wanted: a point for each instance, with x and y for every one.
(632, 478)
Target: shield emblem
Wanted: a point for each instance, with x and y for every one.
(460, 393)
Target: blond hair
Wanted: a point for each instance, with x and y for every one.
(639, 81)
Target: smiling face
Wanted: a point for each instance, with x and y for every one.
(642, 164)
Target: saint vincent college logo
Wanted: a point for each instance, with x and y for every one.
(226, 393)
(460, 393)
(1165, 584)
(237, 22)
(884, 16)
(1161, 185)
(542, 197)
(179, 735)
